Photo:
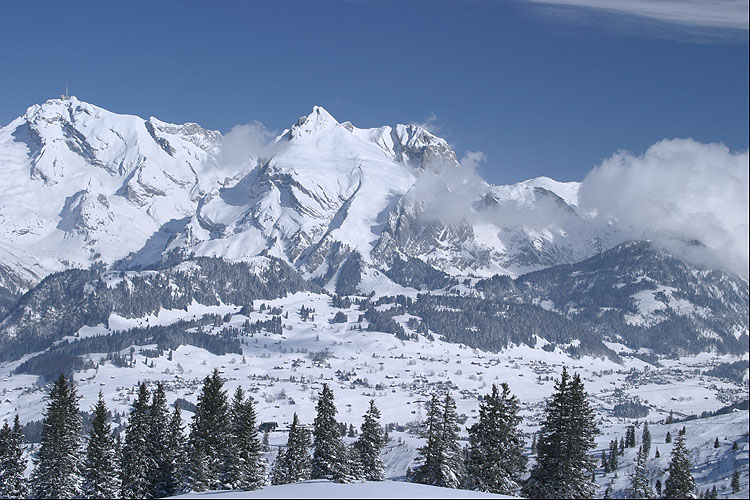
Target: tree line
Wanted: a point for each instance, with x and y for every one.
(223, 450)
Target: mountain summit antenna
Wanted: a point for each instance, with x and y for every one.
(65, 96)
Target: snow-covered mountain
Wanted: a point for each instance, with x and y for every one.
(81, 184)
(137, 250)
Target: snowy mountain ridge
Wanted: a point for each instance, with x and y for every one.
(120, 187)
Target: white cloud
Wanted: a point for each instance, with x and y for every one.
(707, 13)
(447, 191)
(430, 124)
(246, 143)
(689, 197)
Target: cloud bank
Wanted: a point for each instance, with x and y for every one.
(246, 143)
(708, 13)
(689, 197)
(447, 192)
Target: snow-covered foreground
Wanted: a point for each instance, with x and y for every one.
(327, 489)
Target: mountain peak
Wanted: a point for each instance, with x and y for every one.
(318, 120)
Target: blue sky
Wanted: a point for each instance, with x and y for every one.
(540, 88)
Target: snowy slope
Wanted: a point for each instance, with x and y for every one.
(81, 184)
(328, 489)
(120, 187)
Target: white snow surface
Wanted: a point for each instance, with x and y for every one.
(328, 489)
(80, 184)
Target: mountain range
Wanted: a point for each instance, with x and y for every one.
(383, 211)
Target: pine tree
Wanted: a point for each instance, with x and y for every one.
(630, 437)
(101, 477)
(58, 460)
(369, 444)
(563, 468)
(428, 472)
(646, 440)
(329, 456)
(716, 443)
(176, 472)
(657, 454)
(714, 493)
(160, 477)
(354, 467)
(452, 463)
(293, 464)
(496, 461)
(668, 439)
(209, 436)
(13, 482)
(670, 418)
(613, 454)
(639, 483)
(680, 482)
(249, 465)
(622, 446)
(136, 456)
(441, 457)
(278, 469)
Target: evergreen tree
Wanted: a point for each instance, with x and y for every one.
(58, 460)
(639, 483)
(101, 477)
(495, 457)
(278, 469)
(622, 446)
(563, 468)
(329, 455)
(13, 482)
(680, 482)
(160, 477)
(210, 436)
(712, 493)
(452, 455)
(175, 472)
(136, 452)
(630, 437)
(716, 443)
(428, 472)
(613, 454)
(293, 464)
(533, 444)
(441, 456)
(248, 464)
(355, 468)
(646, 440)
(369, 444)
(668, 438)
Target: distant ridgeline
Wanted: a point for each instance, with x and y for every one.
(632, 294)
(64, 302)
